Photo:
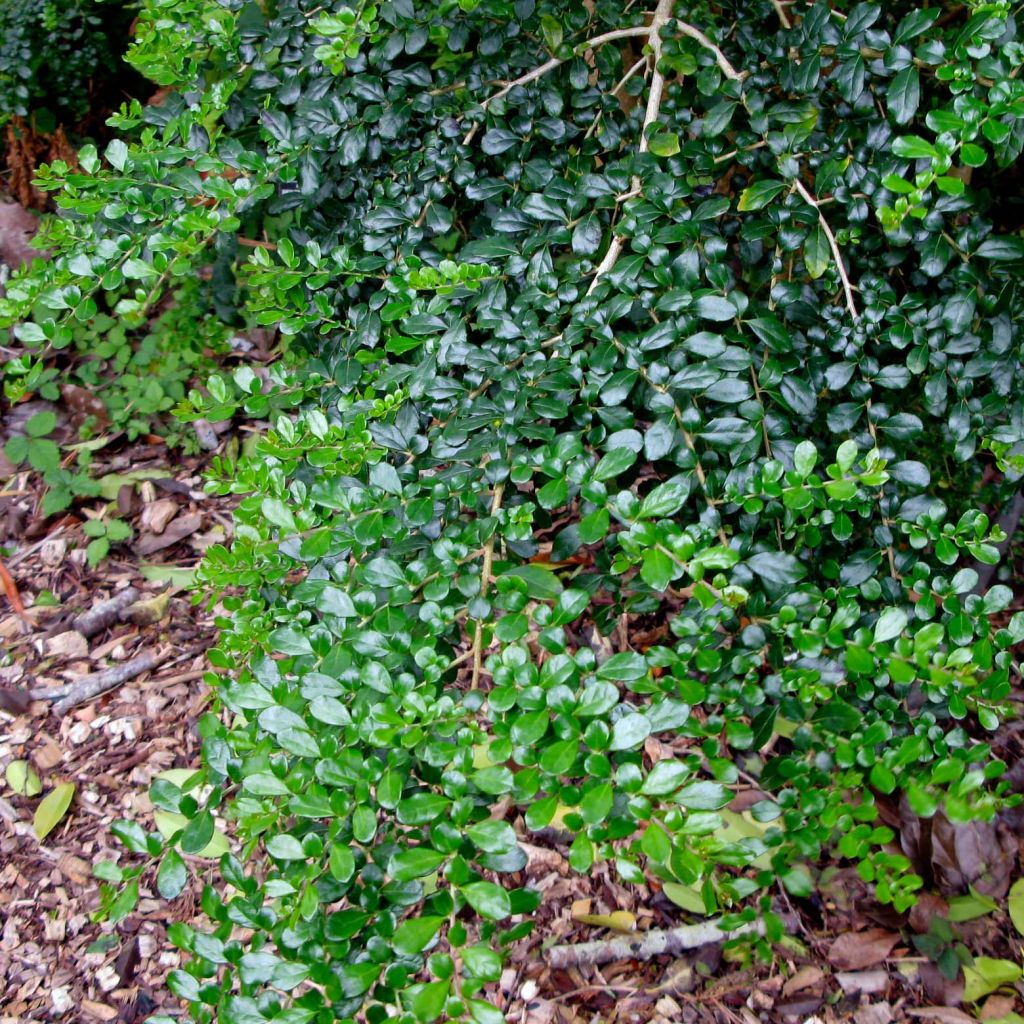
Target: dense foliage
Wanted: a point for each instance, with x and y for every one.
(57, 57)
(688, 328)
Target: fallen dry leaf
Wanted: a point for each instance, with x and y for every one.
(98, 1010)
(49, 755)
(540, 1011)
(929, 905)
(83, 402)
(981, 854)
(75, 869)
(856, 950)
(178, 530)
(804, 978)
(543, 858)
(14, 701)
(943, 1014)
(997, 1006)
(868, 983)
(157, 514)
(70, 644)
(876, 1013)
(802, 1008)
(938, 988)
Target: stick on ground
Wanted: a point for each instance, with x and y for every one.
(93, 685)
(104, 614)
(644, 946)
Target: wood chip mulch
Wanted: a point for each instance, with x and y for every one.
(56, 961)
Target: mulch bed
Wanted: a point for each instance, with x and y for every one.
(846, 959)
(55, 960)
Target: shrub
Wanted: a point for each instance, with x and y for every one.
(596, 327)
(60, 70)
(49, 52)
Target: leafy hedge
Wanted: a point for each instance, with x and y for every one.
(50, 52)
(690, 324)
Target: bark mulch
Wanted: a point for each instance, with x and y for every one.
(56, 960)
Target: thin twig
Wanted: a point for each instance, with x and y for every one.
(887, 522)
(183, 677)
(485, 582)
(257, 243)
(20, 556)
(780, 10)
(554, 62)
(642, 62)
(720, 58)
(657, 91)
(833, 245)
(654, 97)
(659, 19)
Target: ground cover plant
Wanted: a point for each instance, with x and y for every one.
(691, 322)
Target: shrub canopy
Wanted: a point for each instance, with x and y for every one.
(688, 327)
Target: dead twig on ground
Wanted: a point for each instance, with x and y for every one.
(672, 942)
(97, 683)
(104, 614)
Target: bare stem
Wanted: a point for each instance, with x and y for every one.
(654, 943)
(720, 58)
(662, 15)
(889, 550)
(780, 10)
(657, 91)
(833, 245)
(485, 582)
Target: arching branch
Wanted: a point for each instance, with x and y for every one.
(833, 245)
(661, 17)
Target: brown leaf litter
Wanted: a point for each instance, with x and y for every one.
(55, 961)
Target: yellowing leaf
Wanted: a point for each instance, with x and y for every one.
(113, 482)
(743, 826)
(52, 808)
(617, 920)
(785, 728)
(988, 974)
(685, 896)
(558, 818)
(974, 904)
(149, 611)
(167, 823)
(177, 776)
(1015, 905)
(22, 779)
(481, 757)
(173, 574)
